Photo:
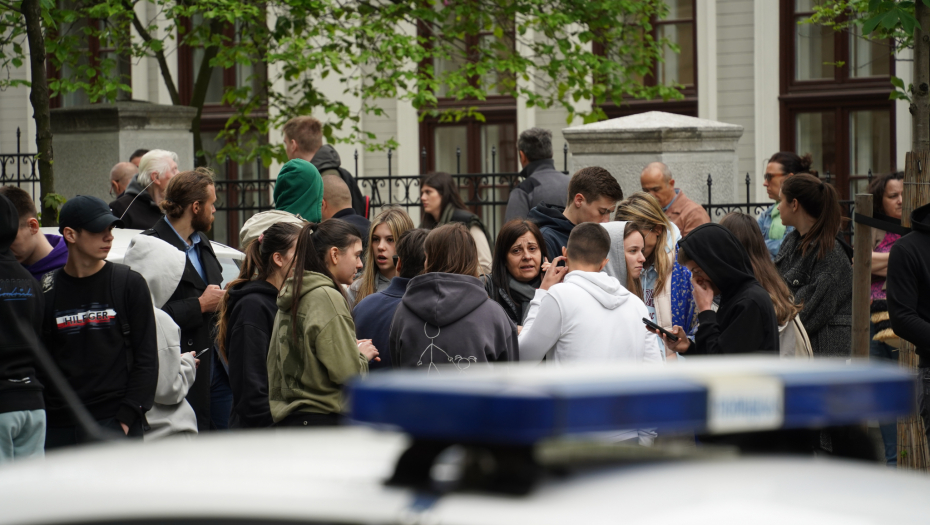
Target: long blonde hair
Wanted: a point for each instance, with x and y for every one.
(399, 222)
(633, 285)
(644, 210)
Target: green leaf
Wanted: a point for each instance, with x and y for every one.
(897, 82)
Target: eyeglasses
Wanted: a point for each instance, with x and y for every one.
(769, 176)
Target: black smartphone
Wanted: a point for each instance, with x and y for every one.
(200, 353)
(671, 337)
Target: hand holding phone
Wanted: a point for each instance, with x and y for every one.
(656, 328)
(200, 353)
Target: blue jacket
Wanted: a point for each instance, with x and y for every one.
(373, 317)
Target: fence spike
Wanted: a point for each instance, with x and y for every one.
(565, 156)
(458, 160)
(493, 159)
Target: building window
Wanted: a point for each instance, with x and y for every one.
(834, 99)
(92, 53)
(679, 28)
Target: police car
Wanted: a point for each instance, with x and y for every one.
(510, 445)
(229, 258)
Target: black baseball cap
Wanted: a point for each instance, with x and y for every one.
(88, 213)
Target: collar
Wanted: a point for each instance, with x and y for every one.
(343, 212)
(530, 168)
(195, 239)
(675, 198)
(397, 288)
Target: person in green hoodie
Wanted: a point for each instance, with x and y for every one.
(313, 350)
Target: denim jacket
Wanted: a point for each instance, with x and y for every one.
(765, 224)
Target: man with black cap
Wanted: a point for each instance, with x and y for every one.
(99, 328)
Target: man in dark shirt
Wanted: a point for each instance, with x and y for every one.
(337, 204)
(99, 328)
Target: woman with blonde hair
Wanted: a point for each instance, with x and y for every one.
(384, 233)
(666, 284)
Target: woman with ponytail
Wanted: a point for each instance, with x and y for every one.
(246, 319)
(313, 350)
(814, 264)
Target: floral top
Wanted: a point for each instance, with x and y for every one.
(878, 282)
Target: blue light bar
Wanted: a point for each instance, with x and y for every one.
(520, 404)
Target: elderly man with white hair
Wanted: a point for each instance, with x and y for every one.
(139, 207)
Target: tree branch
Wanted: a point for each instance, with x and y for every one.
(159, 55)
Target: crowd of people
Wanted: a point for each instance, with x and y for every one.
(155, 347)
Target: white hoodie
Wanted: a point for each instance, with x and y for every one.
(589, 317)
(162, 266)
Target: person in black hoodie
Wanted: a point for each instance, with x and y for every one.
(745, 321)
(909, 280)
(22, 409)
(593, 194)
(327, 161)
(446, 323)
(246, 319)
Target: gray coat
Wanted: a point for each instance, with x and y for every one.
(543, 183)
(824, 288)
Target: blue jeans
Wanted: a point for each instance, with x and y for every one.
(881, 351)
(22, 434)
(221, 396)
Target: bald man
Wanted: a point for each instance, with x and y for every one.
(120, 177)
(656, 179)
(337, 204)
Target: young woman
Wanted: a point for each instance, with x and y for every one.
(626, 258)
(446, 324)
(385, 231)
(246, 320)
(792, 338)
(442, 204)
(781, 165)
(667, 289)
(313, 350)
(519, 254)
(814, 264)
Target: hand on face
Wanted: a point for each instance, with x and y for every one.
(523, 258)
(554, 274)
(703, 293)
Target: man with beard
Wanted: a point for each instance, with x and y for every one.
(189, 210)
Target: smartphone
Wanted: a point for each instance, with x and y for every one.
(671, 337)
(200, 353)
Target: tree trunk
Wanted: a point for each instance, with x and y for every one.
(38, 95)
(199, 95)
(920, 107)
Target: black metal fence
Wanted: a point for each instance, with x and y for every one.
(19, 169)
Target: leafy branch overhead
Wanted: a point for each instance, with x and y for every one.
(443, 57)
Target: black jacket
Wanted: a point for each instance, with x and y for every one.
(554, 226)
(21, 311)
(361, 223)
(327, 162)
(252, 307)
(197, 329)
(447, 324)
(909, 280)
(745, 321)
(541, 183)
(824, 287)
(142, 212)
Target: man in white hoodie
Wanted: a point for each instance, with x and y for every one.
(590, 317)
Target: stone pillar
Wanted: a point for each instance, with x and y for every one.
(691, 147)
(89, 140)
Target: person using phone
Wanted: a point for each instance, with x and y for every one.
(720, 266)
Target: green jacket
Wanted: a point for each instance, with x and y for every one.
(309, 377)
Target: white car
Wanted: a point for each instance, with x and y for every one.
(340, 475)
(230, 258)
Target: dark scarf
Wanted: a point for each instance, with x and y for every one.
(517, 302)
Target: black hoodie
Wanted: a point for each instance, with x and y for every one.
(554, 226)
(909, 280)
(252, 308)
(327, 161)
(21, 311)
(745, 321)
(446, 322)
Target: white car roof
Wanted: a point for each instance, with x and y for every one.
(338, 475)
(121, 238)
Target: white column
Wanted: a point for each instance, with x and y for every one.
(140, 66)
(766, 73)
(707, 58)
(408, 125)
(526, 117)
(903, 132)
(171, 55)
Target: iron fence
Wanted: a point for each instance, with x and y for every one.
(20, 169)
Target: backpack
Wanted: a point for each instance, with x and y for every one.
(119, 278)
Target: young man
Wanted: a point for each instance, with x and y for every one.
(99, 329)
(580, 314)
(745, 321)
(39, 253)
(593, 194)
(22, 410)
(337, 204)
(373, 316)
(189, 211)
(656, 180)
(139, 207)
(541, 181)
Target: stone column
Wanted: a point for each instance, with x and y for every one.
(691, 147)
(89, 140)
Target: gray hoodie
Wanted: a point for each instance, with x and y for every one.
(446, 324)
(162, 265)
(616, 257)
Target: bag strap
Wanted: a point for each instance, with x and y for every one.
(881, 225)
(50, 324)
(119, 279)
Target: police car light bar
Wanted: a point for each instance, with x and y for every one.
(521, 404)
